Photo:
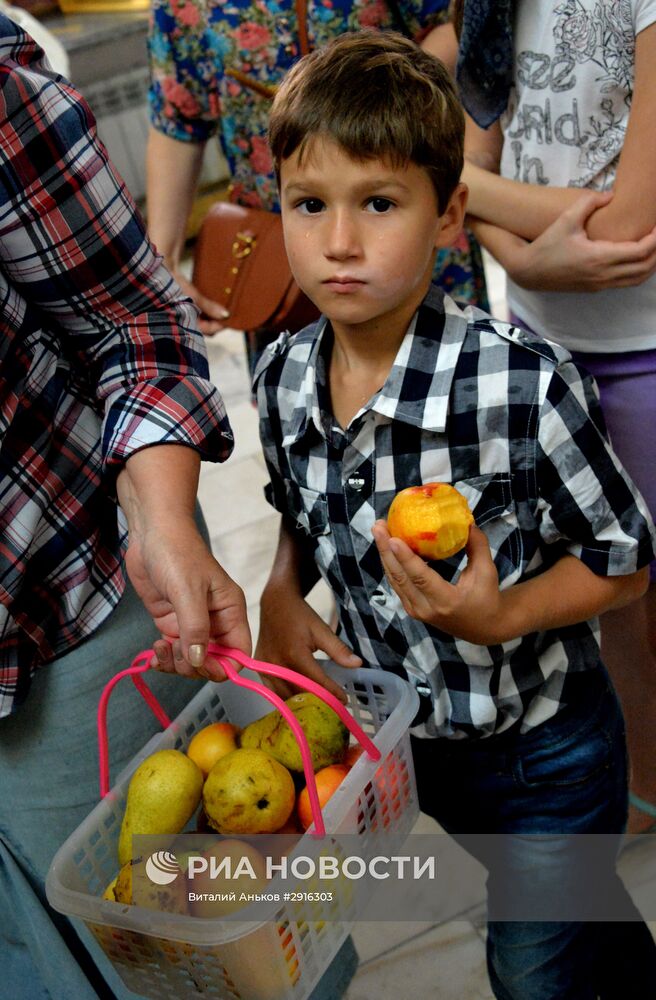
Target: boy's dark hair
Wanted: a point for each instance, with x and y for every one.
(379, 96)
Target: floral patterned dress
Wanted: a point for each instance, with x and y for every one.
(195, 44)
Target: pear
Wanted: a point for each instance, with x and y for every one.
(247, 791)
(163, 794)
(326, 734)
(110, 891)
(123, 884)
(132, 881)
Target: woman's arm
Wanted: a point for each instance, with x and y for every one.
(528, 209)
(632, 212)
(524, 209)
(172, 171)
(564, 258)
(442, 42)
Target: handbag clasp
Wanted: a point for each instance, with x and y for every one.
(243, 245)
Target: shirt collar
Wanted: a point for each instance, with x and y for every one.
(431, 348)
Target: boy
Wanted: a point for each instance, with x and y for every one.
(519, 731)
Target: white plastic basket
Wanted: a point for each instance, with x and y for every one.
(174, 957)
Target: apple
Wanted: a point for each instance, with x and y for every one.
(247, 791)
(242, 860)
(433, 519)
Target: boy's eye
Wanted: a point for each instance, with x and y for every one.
(310, 206)
(379, 205)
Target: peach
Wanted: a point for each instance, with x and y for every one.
(433, 519)
(211, 743)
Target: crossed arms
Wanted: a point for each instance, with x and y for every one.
(563, 239)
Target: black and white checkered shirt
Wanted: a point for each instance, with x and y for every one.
(516, 427)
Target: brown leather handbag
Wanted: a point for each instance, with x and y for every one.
(240, 258)
(240, 261)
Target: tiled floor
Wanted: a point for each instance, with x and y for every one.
(443, 961)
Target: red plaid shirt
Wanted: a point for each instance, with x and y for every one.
(99, 357)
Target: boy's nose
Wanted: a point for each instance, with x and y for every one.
(342, 237)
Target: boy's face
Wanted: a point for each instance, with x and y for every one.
(361, 235)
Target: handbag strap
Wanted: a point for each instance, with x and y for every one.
(301, 20)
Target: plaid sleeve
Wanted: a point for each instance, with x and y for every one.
(185, 58)
(588, 503)
(74, 247)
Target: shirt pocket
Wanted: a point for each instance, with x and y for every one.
(308, 509)
(493, 505)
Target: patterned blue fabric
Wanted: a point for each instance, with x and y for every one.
(485, 58)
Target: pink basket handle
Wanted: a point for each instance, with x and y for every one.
(139, 665)
(223, 654)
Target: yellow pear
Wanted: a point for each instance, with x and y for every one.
(326, 734)
(163, 794)
(247, 791)
(123, 884)
(132, 885)
(110, 891)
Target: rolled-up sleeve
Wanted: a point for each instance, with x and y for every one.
(588, 504)
(74, 249)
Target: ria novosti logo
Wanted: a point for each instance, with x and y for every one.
(162, 868)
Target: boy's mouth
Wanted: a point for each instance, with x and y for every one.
(343, 283)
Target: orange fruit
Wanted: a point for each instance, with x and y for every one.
(211, 743)
(433, 519)
(328, 779)
(352, 754)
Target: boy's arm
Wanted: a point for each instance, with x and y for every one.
(290, 630)
(586, 512)
(476, 610)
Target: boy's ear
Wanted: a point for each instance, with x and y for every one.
(452, 218)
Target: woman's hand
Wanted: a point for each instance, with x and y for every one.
(213, 315)
(188, 594)
(472, 609)
(290, 633)
(564, 259)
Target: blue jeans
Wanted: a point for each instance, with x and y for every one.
(567, 776)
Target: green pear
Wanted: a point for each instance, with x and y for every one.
(123, 884)
(163, 794)
(248, 791)
(326, 734)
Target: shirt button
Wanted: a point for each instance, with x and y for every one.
(379, 597)
(356, 482)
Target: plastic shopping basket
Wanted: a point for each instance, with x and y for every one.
(169, 956)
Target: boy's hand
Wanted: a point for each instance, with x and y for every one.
(472, 609)
(290, 633)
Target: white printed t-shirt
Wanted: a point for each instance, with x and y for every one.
(565, 127)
